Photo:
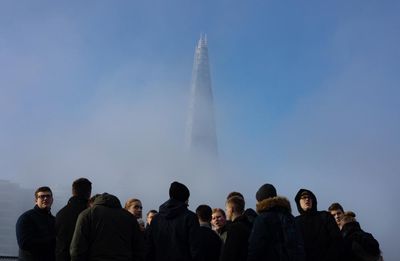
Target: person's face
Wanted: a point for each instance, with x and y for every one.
(136, 209)
(218, 220)
(306, 202)
(44, 199)
(150, 217)
(337, 214)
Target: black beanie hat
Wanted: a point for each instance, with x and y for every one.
(179, 191)
(265, 191)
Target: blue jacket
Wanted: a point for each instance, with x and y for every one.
(36, 235)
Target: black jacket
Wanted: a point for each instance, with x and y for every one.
(210, 244)
(65, 226)
(321, 235)
(358, 243)
(274, 234)
(236, 244)
(173, 234)
(106, 231)
(36, 235)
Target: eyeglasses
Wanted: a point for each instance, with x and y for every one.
(43, 196)
(138, 207)
(305, 197)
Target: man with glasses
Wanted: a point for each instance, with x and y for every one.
(321, 235)
(35, 229)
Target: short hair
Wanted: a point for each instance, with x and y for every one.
(214, 210)
(237, 204)
(348, 216)
(130, 202)
(335, 206)
(43, 189)
(151, 211)
(82, 187)
(204, 213)
(234, 194)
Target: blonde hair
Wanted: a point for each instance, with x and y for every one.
(348, 216)
(130, 202)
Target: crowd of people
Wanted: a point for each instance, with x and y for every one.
(99, 228)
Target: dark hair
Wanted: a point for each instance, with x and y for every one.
(204, 213)
(82, 187)
(151, 211)
(237, 204)
(234, 194)
(335, 206)
(218, 210)
(43, 189)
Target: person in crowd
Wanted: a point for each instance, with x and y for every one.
(238, 231)
(359, 245)
(321, 235)
(106, 231)
(149, 216)
(92, 199)
(210, 241)
(336, 211)
(274, 235)
(135, 207)
(250, 213)
(173, 232)
(218, 221)
(67, 216)
(35, 230)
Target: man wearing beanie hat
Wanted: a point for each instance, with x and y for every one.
(274, 236)
(173, 232)
(322, 239)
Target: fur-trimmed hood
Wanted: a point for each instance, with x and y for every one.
(275, 202)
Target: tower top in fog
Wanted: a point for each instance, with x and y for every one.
(201, 136)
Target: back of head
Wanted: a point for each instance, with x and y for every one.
(82, 187)
(179, 191)
(204, 213)
(107, 200)
(234, 194)
(348, 216)
(237, 204)
(265, 191)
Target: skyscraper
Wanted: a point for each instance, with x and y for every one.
(201, 136)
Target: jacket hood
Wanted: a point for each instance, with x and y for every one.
(107, 200)
(314, 201)
(172, 208)
(350, 228)
(275, 202)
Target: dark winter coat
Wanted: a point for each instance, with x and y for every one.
(173, 234)
(267, 240)
(65, 226)
(210, 244)
(236, 244)
(106, 231)
(359, 244)
(36, 235)
(321, 235)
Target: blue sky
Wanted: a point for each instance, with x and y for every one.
(306, 95)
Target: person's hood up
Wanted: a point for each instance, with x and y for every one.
(314, 201)
(275, 202)
(107, 200)
(172, 208)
